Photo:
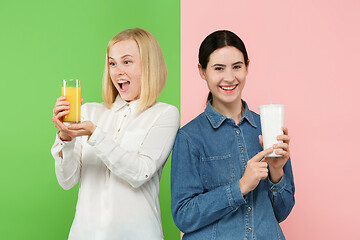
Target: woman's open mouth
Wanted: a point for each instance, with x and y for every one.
(124, 85)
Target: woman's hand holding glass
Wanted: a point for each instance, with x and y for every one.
(255, 171)
(67, 133)
(257, 167)
(276, 164)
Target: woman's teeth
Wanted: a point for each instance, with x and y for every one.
(229, 87)
(121, 83)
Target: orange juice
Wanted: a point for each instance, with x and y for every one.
(73, 95)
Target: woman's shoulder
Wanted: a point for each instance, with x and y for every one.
(164, 108)
(195, 125)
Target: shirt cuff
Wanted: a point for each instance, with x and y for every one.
(278, 187)
(62, 143)
(234, 195)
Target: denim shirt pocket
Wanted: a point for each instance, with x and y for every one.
(217, 171)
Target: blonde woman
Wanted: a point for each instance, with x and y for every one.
(120, 147)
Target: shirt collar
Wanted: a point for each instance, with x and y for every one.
(119, 103)
(216, 119)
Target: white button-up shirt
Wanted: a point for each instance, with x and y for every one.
(119, 168)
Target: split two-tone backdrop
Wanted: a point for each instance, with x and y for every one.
(305, 54)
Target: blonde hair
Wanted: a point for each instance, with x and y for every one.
(154, 72)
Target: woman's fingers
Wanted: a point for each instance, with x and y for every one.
(61, 105)
(285, 130)
(77, 126)
(83, 128)
(283, 145)
(61, 109)
(285, 138)
(261, 155)
(265, 152)
(282, 152)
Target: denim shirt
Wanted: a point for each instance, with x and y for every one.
(209, 158)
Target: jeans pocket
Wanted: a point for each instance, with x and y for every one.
(217, 171)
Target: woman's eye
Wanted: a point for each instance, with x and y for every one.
(237, 67)
(112, 64)
(127, 62)
(218, 68)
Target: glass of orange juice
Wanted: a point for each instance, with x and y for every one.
(71, 89)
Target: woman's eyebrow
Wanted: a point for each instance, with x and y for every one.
(239, 62)
(218, 65)
(124, 56)
(223, 65)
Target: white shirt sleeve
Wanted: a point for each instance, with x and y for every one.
(67, 157)
(137, 167)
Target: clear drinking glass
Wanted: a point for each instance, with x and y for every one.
(71, 89)
(272, 122)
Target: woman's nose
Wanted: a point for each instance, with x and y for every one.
(229, 75)
(119, 70)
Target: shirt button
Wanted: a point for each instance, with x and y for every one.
(274, 189)
(125, 115)
(146, 176)
(238, 131)
(249, 229)
(249, 209)
(242, 148)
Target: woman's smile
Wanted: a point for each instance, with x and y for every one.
(229, 88)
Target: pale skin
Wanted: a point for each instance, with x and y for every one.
(67, 133)
(225, 75)
(125, 65)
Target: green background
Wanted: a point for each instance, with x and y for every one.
(43, 42)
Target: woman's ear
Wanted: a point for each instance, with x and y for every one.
(201, 71)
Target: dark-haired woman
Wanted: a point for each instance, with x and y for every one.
(223, 185)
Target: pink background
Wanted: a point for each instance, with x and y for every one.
(307, 54)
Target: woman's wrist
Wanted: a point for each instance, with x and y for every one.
(244, 190)
(276, 175)
(64, 138)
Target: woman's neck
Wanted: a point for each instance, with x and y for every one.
(230, 110)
